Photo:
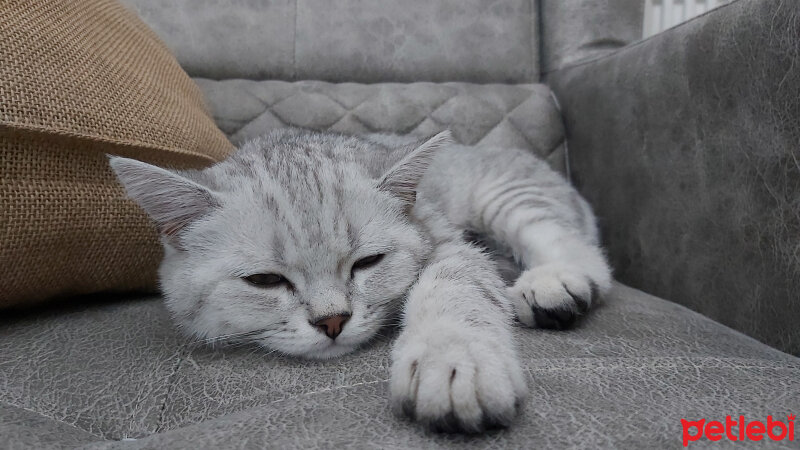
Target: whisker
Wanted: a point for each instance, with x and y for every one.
(244, 335)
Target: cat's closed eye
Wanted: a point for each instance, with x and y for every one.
(266, 280)
(367, 262)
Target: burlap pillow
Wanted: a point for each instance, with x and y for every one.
(79, 79)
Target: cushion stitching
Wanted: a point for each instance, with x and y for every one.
(294, 43)
(507, 118)
(660, 366)
(258, 116)
(778, 365)
(553, 369)
(171, 378)
(329, 389)
(432, 109)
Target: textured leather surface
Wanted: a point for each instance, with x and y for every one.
(582, 405)
(695, 174)
(577, 29)
(523, 115)
(104, 369)
(351, 40)
(623, 378)
(118, 370)
(20, 428)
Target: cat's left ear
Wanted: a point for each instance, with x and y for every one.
(171, 200)
(404, 177)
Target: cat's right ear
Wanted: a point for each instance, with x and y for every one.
(171, 200)
(402, 179)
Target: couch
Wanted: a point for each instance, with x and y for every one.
(686, 144)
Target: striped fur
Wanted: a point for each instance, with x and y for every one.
(308, 205)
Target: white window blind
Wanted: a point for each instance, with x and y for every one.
(662, 14)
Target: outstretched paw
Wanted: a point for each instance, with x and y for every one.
(552, 296)
(457, 381)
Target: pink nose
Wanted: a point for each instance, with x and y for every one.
(332, 325)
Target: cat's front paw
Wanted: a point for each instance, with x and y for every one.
(553, 296)
(457, 381)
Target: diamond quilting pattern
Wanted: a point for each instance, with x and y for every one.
(523, 115)
(308, 110)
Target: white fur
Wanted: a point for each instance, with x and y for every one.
(308, 205)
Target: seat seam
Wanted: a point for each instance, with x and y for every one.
(170, 387)
(664, 362)
(329, 389)
(777, 365)
(294, 44)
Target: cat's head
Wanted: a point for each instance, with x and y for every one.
(287, 243)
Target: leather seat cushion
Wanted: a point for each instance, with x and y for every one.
(119, 369)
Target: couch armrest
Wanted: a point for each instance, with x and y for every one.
(572, 30)
(688, 146)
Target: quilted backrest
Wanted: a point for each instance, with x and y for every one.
(396, 66)
(522, 115)
(371, 41)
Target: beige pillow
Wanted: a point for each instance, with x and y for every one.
(79, 79)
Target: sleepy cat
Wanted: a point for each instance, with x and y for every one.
(308, 243)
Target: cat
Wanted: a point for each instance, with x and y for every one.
(307, 243)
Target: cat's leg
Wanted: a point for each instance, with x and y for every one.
(565, 271)
(518, 201)
(454, 365)
(552, 232)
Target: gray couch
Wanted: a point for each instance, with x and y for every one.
(686, 144)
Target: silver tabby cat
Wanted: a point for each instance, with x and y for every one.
(308, 243)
